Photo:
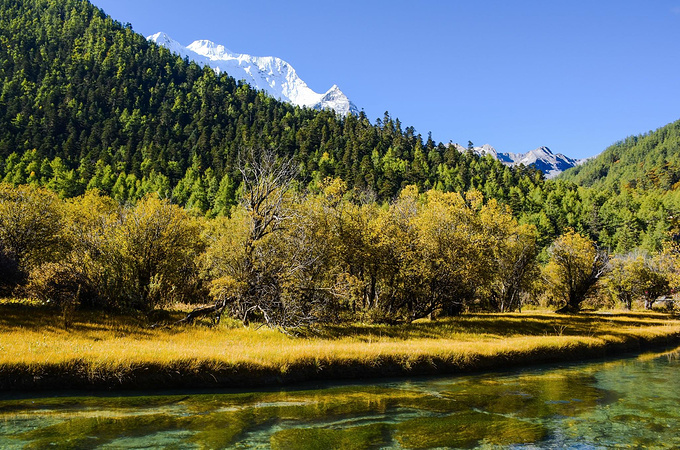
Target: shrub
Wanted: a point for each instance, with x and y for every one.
(140, 256)
(59, 284)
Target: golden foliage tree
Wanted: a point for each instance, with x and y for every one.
(158, 244)
(31, 223)
(139, 256)
(636, 276)
(575, 267)
(31, 226)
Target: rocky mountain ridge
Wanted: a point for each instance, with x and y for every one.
(542, 158)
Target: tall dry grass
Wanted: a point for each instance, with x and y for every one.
(32, 337)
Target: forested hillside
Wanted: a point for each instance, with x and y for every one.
(86, 103)
(647, 161)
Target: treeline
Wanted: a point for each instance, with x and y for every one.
(282, 257)
(288, 259)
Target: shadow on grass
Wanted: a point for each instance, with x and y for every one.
(501, 326)
(33, 316)
(38, 317)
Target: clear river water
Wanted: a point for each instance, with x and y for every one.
(624, 403)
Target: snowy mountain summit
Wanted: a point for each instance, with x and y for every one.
(541, 158)
(273, 75)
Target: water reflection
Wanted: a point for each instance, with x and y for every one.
(617, 403)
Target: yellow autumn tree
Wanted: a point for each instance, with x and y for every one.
(31, 223)
(139, 256)
(510, 258)
(575, 267)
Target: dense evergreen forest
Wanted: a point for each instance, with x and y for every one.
(647, 162)
(89, 106)
(639, 177)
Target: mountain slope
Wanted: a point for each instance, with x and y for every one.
(646, 161)
(273, 75)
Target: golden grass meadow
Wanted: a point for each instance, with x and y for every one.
(121, 351)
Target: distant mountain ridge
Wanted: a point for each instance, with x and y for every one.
(273, 75)
(541, 158)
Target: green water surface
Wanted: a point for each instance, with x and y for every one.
(626, 403)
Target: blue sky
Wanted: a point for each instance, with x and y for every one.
(575, 75)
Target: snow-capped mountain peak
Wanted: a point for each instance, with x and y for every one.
(166, 41)
(487, 149)
(273, 75)
(209, 49)
(335, 99)
(541, 158)
(545, 160)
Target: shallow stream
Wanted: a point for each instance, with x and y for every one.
(630, 402)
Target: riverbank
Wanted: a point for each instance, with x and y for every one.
(107, 352)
